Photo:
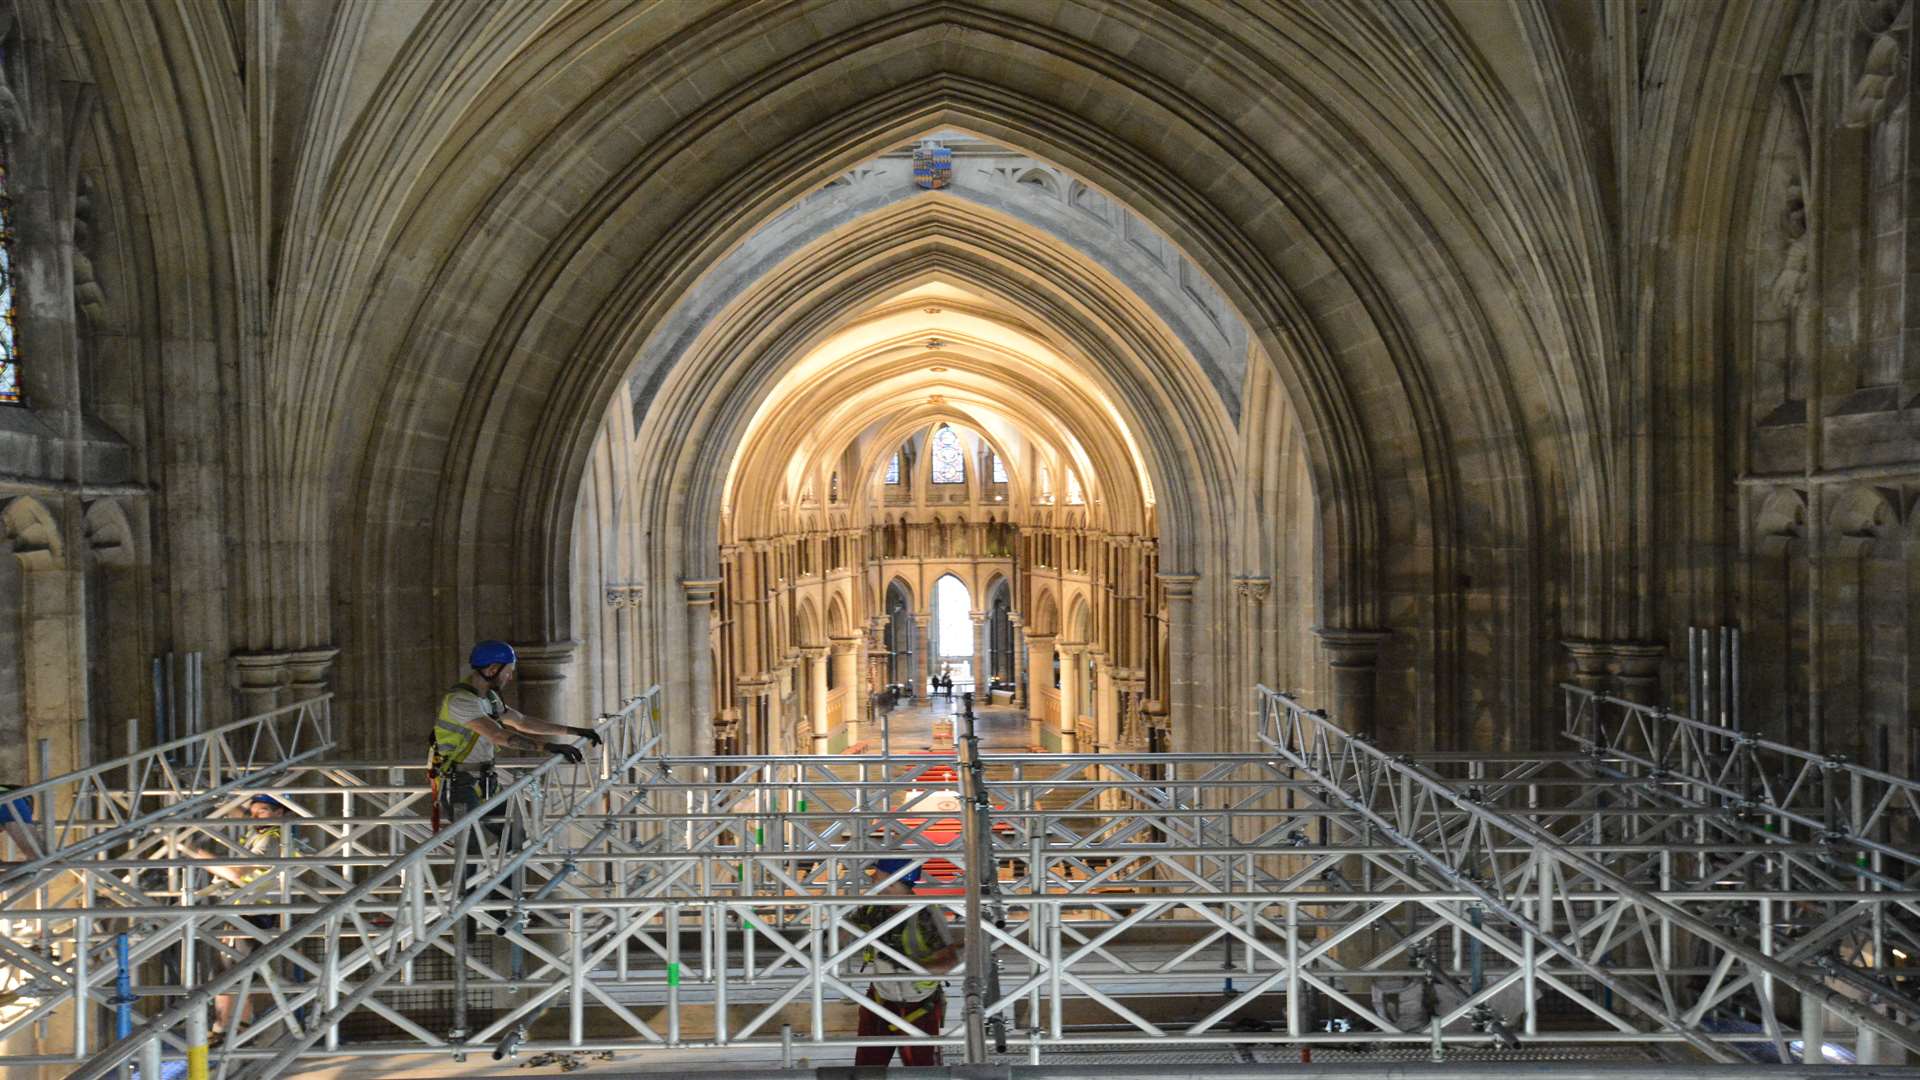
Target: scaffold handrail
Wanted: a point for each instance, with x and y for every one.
(191, 772)
(641, 714)
(1841, 802)
(1363, 777)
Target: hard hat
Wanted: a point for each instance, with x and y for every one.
(268, 800)
(488, 653)
(890, 867)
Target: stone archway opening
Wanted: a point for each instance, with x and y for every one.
(943, 410)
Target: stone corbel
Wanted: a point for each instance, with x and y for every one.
(619, 596)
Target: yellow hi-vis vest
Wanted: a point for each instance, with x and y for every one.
(453, 741)
(910, 937)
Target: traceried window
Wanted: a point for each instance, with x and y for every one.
(1075, 496)
(949, 461)
(999, 469)
(893, 470)
(9, 351)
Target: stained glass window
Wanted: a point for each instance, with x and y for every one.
(893, 470)
(999, 469)
(9, 353)
(1074, 494)
(949, 461)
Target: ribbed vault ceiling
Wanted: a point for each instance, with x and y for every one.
(936, 351)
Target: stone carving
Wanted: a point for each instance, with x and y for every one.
(1874, 90)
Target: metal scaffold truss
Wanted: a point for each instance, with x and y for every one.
(1659, 883)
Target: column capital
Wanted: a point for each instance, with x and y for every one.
(923, 621)
(303, 672)
(700, 591)
(813, 652)
(1040, 639)
(544, 661)
(1253, 588)
(978, 617)
(1015, 619)
(1178, 586)
(1590, 658)
(1351, 647)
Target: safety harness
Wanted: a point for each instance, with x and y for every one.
(453, 742)
(913, 941)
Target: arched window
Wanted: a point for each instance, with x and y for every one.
(949, 461)
(999, 469)
(893, 470)
(833, 488)
(9, 352)
(1075, 496)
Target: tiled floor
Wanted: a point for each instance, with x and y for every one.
(1002, 728)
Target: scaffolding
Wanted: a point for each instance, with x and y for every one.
(1661, 883)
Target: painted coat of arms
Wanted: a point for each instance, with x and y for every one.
(932, 167)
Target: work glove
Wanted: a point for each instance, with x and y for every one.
(566, 750)
(587, 733)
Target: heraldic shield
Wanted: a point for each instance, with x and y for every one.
(932, 167)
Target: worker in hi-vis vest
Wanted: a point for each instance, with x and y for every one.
(913, 993)
(473, 723)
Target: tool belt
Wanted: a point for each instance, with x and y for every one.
(911, 1011)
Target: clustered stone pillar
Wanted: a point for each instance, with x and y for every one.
(846, 676)
(817, 695)
(1180, 673)
(980, 677)
(701, 731)
(1072, 674)
(923, 654)
(1039, 674)
(1019, 650)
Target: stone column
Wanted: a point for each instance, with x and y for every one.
(1351, 658)
(1072, 673)
(846, 675)
(542, 675)
(755, 717)
(1106, 711)
(1252, 592)
(53, 649)
(1180, 673)
(1019, 649)
(817, 695)
(923, 654)
(696, 736)
(980, 679)
(1039, 674)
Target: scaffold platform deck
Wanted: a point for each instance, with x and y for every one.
(1660, 890)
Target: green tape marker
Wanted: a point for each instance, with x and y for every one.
(673, 974)
(760, 835)
(803, 806)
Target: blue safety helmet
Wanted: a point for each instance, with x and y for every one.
(268, 800)
(488, 653)
(890, 867)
